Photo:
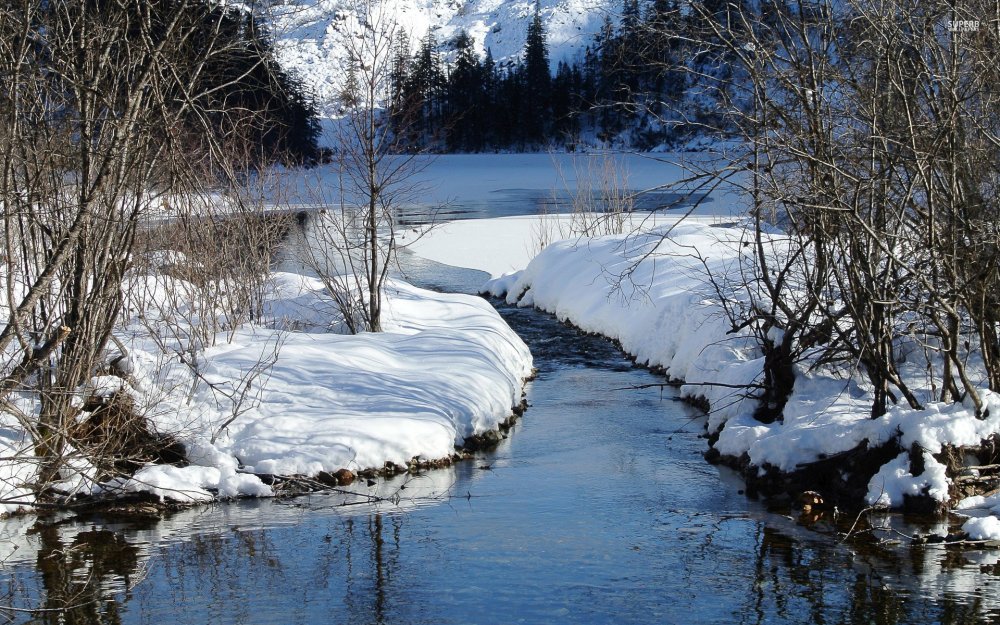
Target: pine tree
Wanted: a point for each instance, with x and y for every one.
(664, 62)
(605, 79)
(664, 78)
(400, 107)
(426, 88)
(537, 80)
(491, 82)
(630, 46)
(349, 96)
(565, 103)
(465, 97)
(246, 81)
(628, 50)
(508, 112)
(590, 92)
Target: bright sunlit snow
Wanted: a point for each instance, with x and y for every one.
(308, 32)
(291, 396)
(650, 291)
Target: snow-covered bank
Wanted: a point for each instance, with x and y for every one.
(289, 395)
(653, 295)
(506, 244)
(447, 367)
(662, 312)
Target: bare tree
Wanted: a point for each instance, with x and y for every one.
(869, 145)
(105, 113)
(354, 239)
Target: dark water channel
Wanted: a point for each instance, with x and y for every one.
(515, 202)
(597, 509)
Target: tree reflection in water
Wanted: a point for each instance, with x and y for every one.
(355, 570)
(857, 584)
(82, 577)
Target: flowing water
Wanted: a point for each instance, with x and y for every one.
(598, 508)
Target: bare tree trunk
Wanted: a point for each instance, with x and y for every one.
(377, 174)
(93, 106)
(872, 130)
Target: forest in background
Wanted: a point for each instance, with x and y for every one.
(636, 85)
(867, 133)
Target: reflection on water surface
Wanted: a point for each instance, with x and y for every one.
(598, 509)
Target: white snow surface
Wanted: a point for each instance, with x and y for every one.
(291, 396)
(497, 182)
(190, 484)
(308, 32)
(984, 516)
(666, 314)
(444, 368)
(894, 480)
(512, 242)
(982, 528)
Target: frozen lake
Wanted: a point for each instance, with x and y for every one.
(471, 186)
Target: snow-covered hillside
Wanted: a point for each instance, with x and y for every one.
(308, 32)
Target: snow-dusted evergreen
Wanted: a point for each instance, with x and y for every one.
(620, 81)
(308, 32)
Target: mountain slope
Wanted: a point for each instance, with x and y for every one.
(308, 32)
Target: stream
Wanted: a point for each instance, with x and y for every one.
(597, 508)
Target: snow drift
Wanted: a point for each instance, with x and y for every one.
(651, 292)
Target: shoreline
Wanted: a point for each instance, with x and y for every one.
(937, 460)
(801, 492)
(145, 503)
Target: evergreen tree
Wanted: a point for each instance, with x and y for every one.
(715, 61)
(247, 82)
(537, 80)
(566, 87)
(491, 81)
(510, 129)
(426, 89)
(605, 79)
(466, 100)
(625, 66)
(591, 90)
(629, 48)
(631, 79)
(665, 75)
(349, 96)
(400, 107)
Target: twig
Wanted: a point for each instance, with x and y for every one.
(637, 387)
(855, 524)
